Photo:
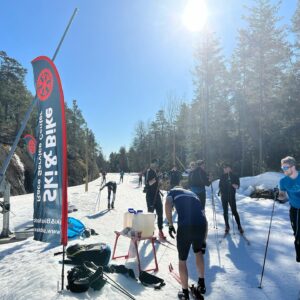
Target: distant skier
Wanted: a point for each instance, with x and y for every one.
(198, 179)
(121, 176)
(192, 230)
(140, 179)
(290, 185)
(228, 185)
(153, 197)
(103, 173)
(111, 187)
(175, 177)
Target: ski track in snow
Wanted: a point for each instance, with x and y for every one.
(233, 269)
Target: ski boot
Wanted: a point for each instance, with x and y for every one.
(195, 293)
(108, 206)
(184, 294)
(201, 286)
(240, 229)
(227, 228)
(112, 205)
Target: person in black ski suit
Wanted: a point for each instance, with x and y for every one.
(121, 176)
(153, 197)
(198, 179)
(111, 187)
(228, 185)
(175, 177)
(141, 179)
(103, 173)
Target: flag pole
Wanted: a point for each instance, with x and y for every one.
(65, 33)
(54, 56)
(63, 269)
(27, 115)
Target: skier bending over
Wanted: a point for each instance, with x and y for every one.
(290, 184)
(111, 186)
(192, 230)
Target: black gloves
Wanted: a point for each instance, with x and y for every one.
(171, 231)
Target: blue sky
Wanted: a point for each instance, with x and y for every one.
(121, 58)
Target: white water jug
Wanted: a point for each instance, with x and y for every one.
(144, 223)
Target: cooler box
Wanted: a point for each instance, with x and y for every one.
(144, 222)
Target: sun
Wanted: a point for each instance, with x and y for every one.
(195, 15)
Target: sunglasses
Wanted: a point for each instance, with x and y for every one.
(285, 168)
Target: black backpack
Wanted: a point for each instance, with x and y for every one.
(80, 278)
(98, 253)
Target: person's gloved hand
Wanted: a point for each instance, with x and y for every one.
(171, 231)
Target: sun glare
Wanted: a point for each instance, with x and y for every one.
(195, 15)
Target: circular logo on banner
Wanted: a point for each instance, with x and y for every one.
(31, 146)
(44, 84)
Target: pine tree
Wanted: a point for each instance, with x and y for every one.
(211, 107)
(266, 63)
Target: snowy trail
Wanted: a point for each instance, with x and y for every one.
(30, 271)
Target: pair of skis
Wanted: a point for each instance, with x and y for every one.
(192, 288)
(242, 236)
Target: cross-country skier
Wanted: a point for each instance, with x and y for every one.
(121, 176)
(175, 177)
(198, 179)
(111, 187)
(140, 179)
(153, 197)
(290, 185)
(228, 185)
(191, 230)
(103, 173)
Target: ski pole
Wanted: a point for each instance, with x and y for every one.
(229, 200)
(98, 201)
(181, 164)
(214, 208)
(232, 223)
(118, 287)
(266, 250)
(215, 222)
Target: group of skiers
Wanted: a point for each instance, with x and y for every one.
(190, 206)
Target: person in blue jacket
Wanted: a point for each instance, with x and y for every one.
(191, 231)
(290, 186)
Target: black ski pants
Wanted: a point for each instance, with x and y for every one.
(154, 203)
(202, 197)
(109, 190)
(295, 222)
(230, 199)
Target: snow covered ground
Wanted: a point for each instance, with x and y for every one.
(29, 270)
